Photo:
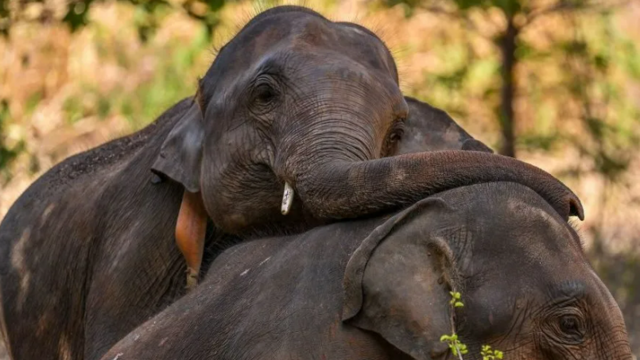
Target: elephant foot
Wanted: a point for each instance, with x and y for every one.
(192, 279)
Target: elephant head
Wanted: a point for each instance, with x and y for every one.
(297, 102)
(527, 287)
(430, 129)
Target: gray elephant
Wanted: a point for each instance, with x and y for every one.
(87, 253)
(380, 289)
(75, 296)
(273, 113)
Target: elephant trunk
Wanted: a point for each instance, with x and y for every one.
(340, 189)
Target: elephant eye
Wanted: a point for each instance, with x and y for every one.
(397, 131)
(569, 324)
(394, 136)
(264, 94)
(571, 328)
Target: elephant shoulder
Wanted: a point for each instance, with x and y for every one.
(96, 164)
(77, 181)
(114, 152)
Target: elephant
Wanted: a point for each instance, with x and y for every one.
(379, 288)
(272, 113)
(88, 252)
(75, 277)
(430, 129)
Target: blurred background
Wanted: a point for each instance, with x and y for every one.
(553, 82)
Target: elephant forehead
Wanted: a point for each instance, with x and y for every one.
(528, 246)
(346, 39)
(297, 39)
(305, 33)
(513, 226)
(551, 234)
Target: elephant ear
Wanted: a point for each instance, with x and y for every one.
(430, 129)
(181, 153)
(397, 282)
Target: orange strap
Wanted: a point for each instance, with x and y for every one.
(190, 233)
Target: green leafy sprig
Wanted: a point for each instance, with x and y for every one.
(457, 347)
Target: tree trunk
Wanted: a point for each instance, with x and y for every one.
(507, 43)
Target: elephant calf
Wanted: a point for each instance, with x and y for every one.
(379, 289)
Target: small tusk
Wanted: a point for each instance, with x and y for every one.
(287, 199)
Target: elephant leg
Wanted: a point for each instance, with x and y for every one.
(190, 234)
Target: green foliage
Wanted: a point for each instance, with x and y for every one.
(172, 82)
(4, 17)
(457, 347)
(509, 7)
(489, 354)
(174, 79)
(570, 87)
(148, 13)
(455, 299)
(32, 101)
(77, 13)
(8, 153)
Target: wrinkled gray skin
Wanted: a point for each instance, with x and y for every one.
(527, 287)
(88, 251)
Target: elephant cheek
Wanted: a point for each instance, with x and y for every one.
(411, 314)
(412, 334)
(216, 194)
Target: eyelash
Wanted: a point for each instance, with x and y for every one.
(397, 128)
(264, 95)
(394, 135)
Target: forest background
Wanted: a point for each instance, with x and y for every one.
(553, 82)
